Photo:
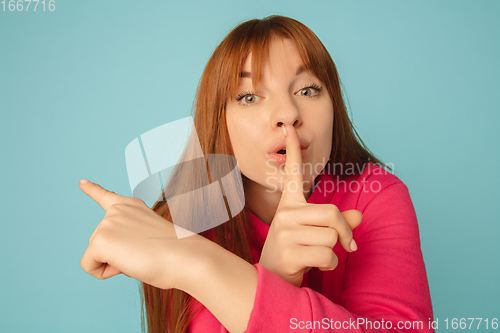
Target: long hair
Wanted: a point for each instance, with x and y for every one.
(170, 310)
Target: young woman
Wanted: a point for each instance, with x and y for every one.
(270, 96)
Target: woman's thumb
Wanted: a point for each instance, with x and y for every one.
(353, 217)
(110, 271)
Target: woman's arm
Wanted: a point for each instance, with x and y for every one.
(385, 287)
(134, 240)
(224, 283)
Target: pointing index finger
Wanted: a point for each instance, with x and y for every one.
(293, 166)
(100, 195)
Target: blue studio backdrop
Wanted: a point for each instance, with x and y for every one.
(79, 80)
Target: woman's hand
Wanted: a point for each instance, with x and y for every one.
(302, 235)
(134, 240)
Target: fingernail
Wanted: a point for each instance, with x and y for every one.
(284, 130)
(353, 245)
(84, 181)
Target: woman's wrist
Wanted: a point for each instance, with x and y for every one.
(203, 261)
(223, 282)
(192, 261)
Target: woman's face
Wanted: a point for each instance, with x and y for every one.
(283, 97)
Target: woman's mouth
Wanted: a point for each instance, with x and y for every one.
(279, 157)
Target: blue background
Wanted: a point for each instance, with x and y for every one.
(79, 83)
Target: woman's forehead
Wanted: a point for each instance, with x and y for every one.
(280, 51)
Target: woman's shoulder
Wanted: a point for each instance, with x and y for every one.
(361, 184)
(362, 174)
(376, 177)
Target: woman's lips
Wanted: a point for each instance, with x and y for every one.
(281, 158)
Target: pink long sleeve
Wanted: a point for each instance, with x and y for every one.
(382, 287)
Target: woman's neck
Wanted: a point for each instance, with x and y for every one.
(262, 202)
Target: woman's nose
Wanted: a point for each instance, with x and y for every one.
(285, 111)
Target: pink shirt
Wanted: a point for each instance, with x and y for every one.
(381, 287)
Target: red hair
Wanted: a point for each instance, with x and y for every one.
(169, 310)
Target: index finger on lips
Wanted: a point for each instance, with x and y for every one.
(292, 188)
(100, 195)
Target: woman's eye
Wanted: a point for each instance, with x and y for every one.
(249, 99)
(309, 92)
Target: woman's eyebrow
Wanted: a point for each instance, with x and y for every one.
(249, 75)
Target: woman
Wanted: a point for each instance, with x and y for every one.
(270, 96)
